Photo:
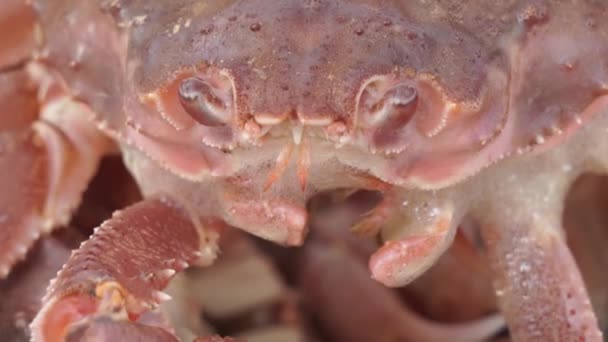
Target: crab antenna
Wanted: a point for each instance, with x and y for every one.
(303, 163)
(297, 131)
(281, 164)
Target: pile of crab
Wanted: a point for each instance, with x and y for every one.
(460, 142)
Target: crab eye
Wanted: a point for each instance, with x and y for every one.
(203, 102)
(395, 107)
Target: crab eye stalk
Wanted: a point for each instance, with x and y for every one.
(203, 102)
(396, 107)
(402, 101)
(387, 109)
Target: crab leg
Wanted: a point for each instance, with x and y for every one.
(114, 279)
(46, 166)
(43, 178)
(24, 187)
(379, 313)
(538, 284)
(372, 221)
(22, 290)
(17, 37)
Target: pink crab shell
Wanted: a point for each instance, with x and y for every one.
(240, 113)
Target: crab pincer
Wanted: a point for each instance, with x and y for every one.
(112, 283)
(48, 148)
(411, 248)
(48, 152)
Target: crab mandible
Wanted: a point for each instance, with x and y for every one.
(241, 111)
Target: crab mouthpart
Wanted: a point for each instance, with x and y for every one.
(284, 159)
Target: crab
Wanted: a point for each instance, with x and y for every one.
(239, 112)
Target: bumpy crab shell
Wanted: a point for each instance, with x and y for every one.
(239, 112)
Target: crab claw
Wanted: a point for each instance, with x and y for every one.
(403, 258)
(44, 176)
(46, 163)
(115, 278)
(279, 220)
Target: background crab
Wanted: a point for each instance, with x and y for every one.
(237, 113)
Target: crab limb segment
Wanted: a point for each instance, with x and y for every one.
(379, 313)
(18, 99)
(538, 284)
(303, 163)
(280, 220)
(401, 260)
(372, 221)
(17, 32)
(277, 220)
(117, 275)
(106, 329)
(48, 156)
(281, 165)
(45, 173)
(22, 290)
(24, 186)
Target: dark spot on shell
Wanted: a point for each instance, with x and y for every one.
(359, 31)
(387, 22)
(533, 15)
(255, 27)
(411, 35)
(206, 30)
(284, 87)
(232, 18)
(341, 19)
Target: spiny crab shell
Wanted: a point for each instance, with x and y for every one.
(240, 112)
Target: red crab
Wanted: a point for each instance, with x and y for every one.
(239, 112)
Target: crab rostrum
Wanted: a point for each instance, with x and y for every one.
(241, 111)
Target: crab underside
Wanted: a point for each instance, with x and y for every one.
(461, 143)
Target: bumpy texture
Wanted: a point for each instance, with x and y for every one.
(243, 111)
